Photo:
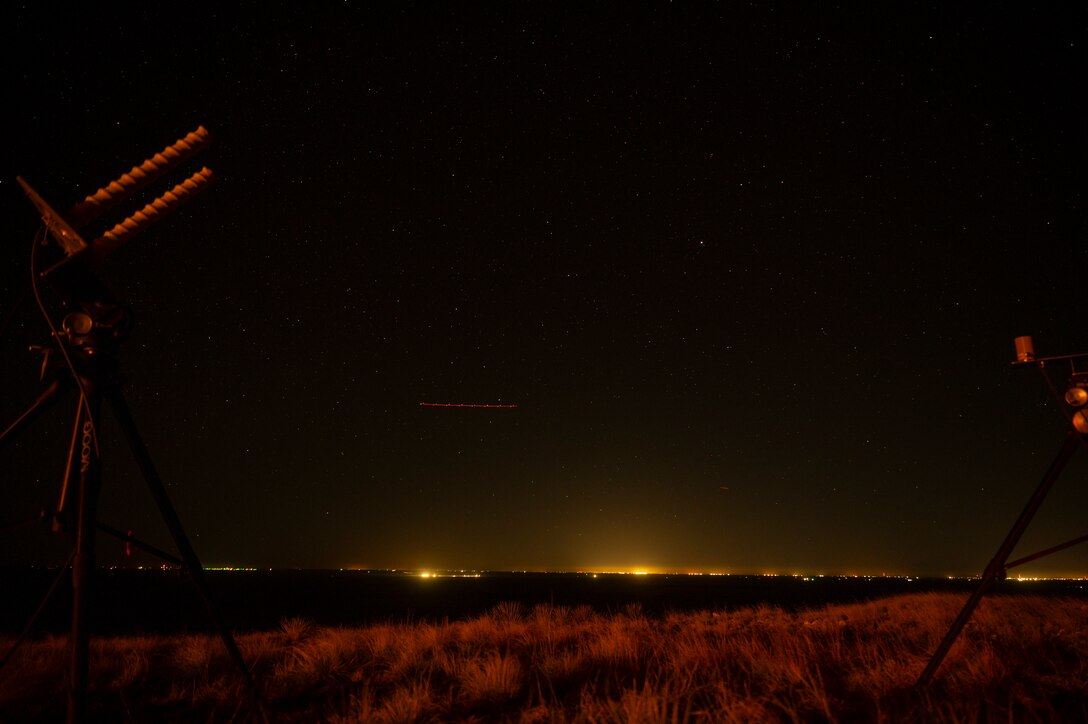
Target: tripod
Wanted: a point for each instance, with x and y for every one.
(89, 340)
(1075, 397)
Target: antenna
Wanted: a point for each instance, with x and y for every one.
(153, 212)
(89, 341)
(139, 177)
(65, 228)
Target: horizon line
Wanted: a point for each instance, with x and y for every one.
(477, 572)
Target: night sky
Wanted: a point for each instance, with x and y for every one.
(751, 276)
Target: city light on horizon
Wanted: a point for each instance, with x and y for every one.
(428, 573)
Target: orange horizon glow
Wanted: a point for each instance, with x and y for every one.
(438, 572)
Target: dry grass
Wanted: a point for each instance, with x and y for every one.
(1020, 659)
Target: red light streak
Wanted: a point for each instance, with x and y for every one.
(466, 404)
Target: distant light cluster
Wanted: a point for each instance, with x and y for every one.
(449, 574)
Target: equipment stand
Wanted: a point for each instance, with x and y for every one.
(88, 343)
(93, 370)
(999, 565)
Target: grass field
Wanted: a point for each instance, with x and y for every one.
(1019, 659)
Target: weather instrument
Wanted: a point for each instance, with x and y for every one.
(1075, 404)
(82, 356)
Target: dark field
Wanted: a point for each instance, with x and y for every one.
(155, 601)
(1022, 658)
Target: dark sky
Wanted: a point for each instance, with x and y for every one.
(750, 274)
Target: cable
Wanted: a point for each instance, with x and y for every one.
(39, 238)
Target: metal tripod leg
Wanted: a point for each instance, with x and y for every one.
(87, 475)
(90, 483)
(62, 518)
(173, 523)
(31, 413)
(37, 612)
(996, 568)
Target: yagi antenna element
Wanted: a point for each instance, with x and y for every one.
(64, 228)
(139, 177)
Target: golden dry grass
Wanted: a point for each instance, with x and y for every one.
(1020, 659)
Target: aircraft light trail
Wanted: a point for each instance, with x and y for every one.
(465, 404)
